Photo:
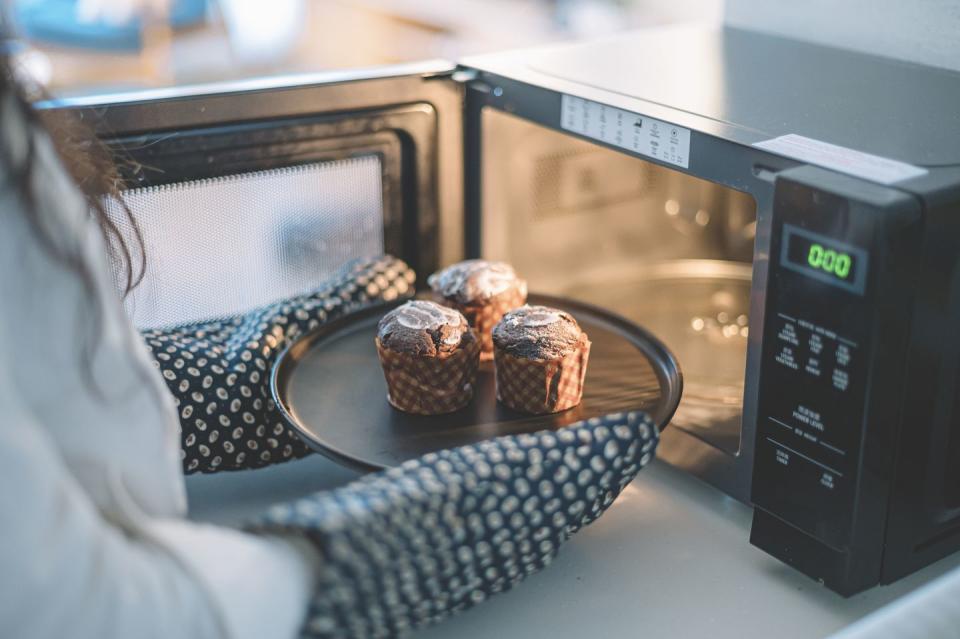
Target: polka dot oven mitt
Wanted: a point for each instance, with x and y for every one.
(408, 546)
(219, 371)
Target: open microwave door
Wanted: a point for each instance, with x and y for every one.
(253, 191)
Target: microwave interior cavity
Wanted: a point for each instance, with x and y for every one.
(667, 250)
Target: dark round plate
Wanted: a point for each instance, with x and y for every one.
(329, 386)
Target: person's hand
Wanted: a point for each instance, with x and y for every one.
(411, 545)
(121, 11)
(229, 422)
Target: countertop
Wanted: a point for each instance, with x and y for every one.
(670, 558)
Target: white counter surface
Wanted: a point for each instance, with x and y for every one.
(671, 558)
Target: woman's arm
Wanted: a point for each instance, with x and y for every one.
(67, 571)
(218, 372)
(442, 533)
(91, 540)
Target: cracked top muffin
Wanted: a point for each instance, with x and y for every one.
(541, 357)
(429, 355)
(476, 281)
(483, 291)
(537, 332)
(424, 328)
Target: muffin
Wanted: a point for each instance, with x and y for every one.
(429, 356)
(541, 360)
(483, 291)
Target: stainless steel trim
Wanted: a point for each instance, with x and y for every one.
(290, 81)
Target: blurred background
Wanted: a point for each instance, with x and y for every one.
(89, 46)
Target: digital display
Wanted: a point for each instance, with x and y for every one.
(824, 258)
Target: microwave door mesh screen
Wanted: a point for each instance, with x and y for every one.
(221, 246)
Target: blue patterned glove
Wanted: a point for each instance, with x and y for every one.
(218, 372)
(408, 546)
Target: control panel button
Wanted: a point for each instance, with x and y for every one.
(783, 457)
(808, 416)
(815, 344)
(841, 379)
(787, 358)
(788, 331)
(843, 354)
(827, 480)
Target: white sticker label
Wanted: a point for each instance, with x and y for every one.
(839, 158)
(653, 138)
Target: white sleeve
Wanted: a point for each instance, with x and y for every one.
(68, 572)
(68, 567)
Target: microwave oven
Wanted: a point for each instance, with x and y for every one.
(784, 216)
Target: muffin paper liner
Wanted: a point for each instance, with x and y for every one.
(483, 317)
(430, 385)
(541, 386)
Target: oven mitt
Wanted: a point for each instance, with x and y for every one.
(219, 371)
(408, 546)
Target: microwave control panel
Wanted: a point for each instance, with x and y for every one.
(816, 349)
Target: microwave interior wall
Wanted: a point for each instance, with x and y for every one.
(667, 250)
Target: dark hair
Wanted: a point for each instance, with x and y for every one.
(89, 163)
(92, 167)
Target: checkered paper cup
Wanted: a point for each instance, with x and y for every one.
(542, 386)
(483, 317)
(430, 385)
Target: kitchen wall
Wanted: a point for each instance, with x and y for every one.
(924, 31)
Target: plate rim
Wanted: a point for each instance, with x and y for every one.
(292, 352)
